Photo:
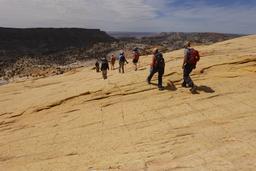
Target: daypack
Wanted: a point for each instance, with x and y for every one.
(121, 58)
(193, 56)
(104, 64)
(160, 63)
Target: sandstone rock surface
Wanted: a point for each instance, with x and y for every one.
(78, 121)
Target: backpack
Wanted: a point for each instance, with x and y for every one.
(160, 63)
(104, 64)
(121, 58)
(193, 56)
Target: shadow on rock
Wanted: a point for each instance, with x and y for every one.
(205, 89)
(170, 86)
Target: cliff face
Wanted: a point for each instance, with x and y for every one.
(78, 121)
(39, 48)
(47, 40)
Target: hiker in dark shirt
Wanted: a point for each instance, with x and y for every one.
(122, 61)
(104, 67)
(157, 66)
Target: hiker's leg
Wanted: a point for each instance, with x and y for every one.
(103, 74)
(184, 84)
(106, 74)
(191, 83)
(135, 66)
(151, 74)
(187, 70)
(186, 77)
(160, 78)
(122, 67)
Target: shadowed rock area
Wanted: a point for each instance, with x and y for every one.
(38, 41)
(32, 52)
(78, 121)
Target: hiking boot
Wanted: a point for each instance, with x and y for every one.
(184, 85)
(191, 85)
(161, 88)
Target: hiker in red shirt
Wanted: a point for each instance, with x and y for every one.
(157, 66)
(136, 57)
(113, 61)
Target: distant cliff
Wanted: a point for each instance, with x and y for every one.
(41, 41)
(22, 51)
(173, 39)
(169, 41)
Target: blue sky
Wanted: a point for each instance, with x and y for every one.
(229, 16)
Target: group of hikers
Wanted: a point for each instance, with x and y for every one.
(191, 57)
(122, 61)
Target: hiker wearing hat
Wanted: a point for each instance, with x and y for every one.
(122, 61)
(104, 67)
(136, 57)
(157, 65)
(191, 57)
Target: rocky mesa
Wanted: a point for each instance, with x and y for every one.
(32, 51)
(78, 121)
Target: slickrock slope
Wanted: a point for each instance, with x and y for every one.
(77, 121)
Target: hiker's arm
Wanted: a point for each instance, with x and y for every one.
(153, 62)
(184, 63)
(185, 59)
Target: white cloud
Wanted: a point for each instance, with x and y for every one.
(126, 15)
(83, 13)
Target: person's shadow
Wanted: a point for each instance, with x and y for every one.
(170, 86)
(205, 89)
(202, 88)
